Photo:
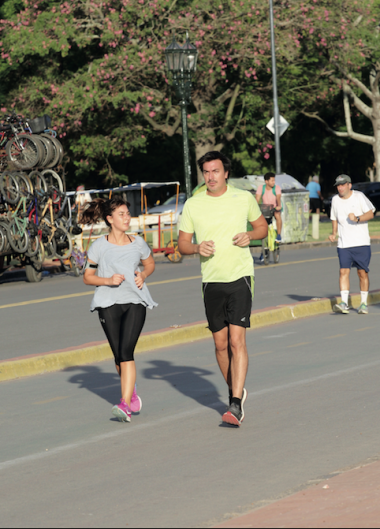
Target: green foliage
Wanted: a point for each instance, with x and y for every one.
(98, 68)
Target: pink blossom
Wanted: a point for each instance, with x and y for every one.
(266, 156)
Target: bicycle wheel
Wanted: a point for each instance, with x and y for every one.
(265, 251)
(276, 254)
(50, 248)
(53, 181)
(4, 227)
(33, 246)
(18, 237)
(3, 239)
(9, 188)
(48, 151)
(24, 184)
(24, 151)
(56, 150)
(64, 243)
(38, 182)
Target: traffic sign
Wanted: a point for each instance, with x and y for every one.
(283, 125)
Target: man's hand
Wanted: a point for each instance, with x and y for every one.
(139, 279)
(352, 217)
(116, 280)
(332, 237)
(241, 239)
(207, 248)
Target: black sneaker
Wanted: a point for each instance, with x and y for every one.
(233, 415)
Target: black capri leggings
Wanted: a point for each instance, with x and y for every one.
(122, 325)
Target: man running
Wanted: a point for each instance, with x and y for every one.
(218, 216)
(350, 213)
(271, 195)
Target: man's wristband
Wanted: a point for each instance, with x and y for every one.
(358, 219)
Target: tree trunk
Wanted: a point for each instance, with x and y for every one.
(376, 131)
(201, 148)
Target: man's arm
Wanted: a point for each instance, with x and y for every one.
(362, 218)
(260, 231)
(334, 230)
(186, 247)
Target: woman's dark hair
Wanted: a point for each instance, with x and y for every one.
(215, 155)
(100, 209)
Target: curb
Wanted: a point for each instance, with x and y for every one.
(56, 361)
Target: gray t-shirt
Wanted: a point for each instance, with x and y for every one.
(113, 259)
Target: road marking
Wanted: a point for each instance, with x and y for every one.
(279, 335)
(50, 400)
(175, 418)
(298, 344)
(154, 283)
(364, 329)
(81, 294)
(260, 354)
(302, 262)
(336, 336)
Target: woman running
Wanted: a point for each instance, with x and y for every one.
(121, 296)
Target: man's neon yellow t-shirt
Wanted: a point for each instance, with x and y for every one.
(219, 219)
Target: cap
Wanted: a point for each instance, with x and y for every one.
(342, 179)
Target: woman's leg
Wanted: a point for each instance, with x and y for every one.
(110, 319)
(132, 323)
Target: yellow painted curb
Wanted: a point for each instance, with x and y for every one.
(36, 365)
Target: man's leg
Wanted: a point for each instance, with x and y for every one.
(344, 285)
(364, 288)
(239, 359)
(278, 218)
(223, 354)
(363, 280)
(344, 279)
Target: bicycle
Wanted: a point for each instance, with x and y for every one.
(269, 244)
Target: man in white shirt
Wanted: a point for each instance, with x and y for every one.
(350, 213)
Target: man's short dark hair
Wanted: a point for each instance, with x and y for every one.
(215, 155)
(268, 176)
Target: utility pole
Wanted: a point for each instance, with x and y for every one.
(276, 113)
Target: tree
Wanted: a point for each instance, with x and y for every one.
(98, 68)
(346, 36)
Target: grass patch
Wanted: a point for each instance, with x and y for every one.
(325, 229)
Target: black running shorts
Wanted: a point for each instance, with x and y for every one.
(228, 303)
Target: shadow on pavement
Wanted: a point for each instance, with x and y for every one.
(302, 298)
(189, 381)
(92, 378)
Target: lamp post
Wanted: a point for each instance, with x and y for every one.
(182, 63)
(275, 99)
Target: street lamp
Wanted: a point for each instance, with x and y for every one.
(182, 63)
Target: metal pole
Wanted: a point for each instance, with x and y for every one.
(275, 100)
(186, 155)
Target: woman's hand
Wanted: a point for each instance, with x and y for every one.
(116, 280)
(140, 279)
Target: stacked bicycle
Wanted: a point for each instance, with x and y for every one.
(27, 144)
(269, 244)
(34, 225)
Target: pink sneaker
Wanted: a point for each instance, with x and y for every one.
(136, 403)
(122, 411)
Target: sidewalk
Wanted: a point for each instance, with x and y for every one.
(350, 499)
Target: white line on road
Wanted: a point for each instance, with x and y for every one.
(194, 411)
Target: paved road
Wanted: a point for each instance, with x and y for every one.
(313, 408)
(59, 323)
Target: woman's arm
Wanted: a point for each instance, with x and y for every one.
(149, 266)
(90, 278)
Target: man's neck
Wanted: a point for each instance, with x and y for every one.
(347, 197)
(217, 193)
